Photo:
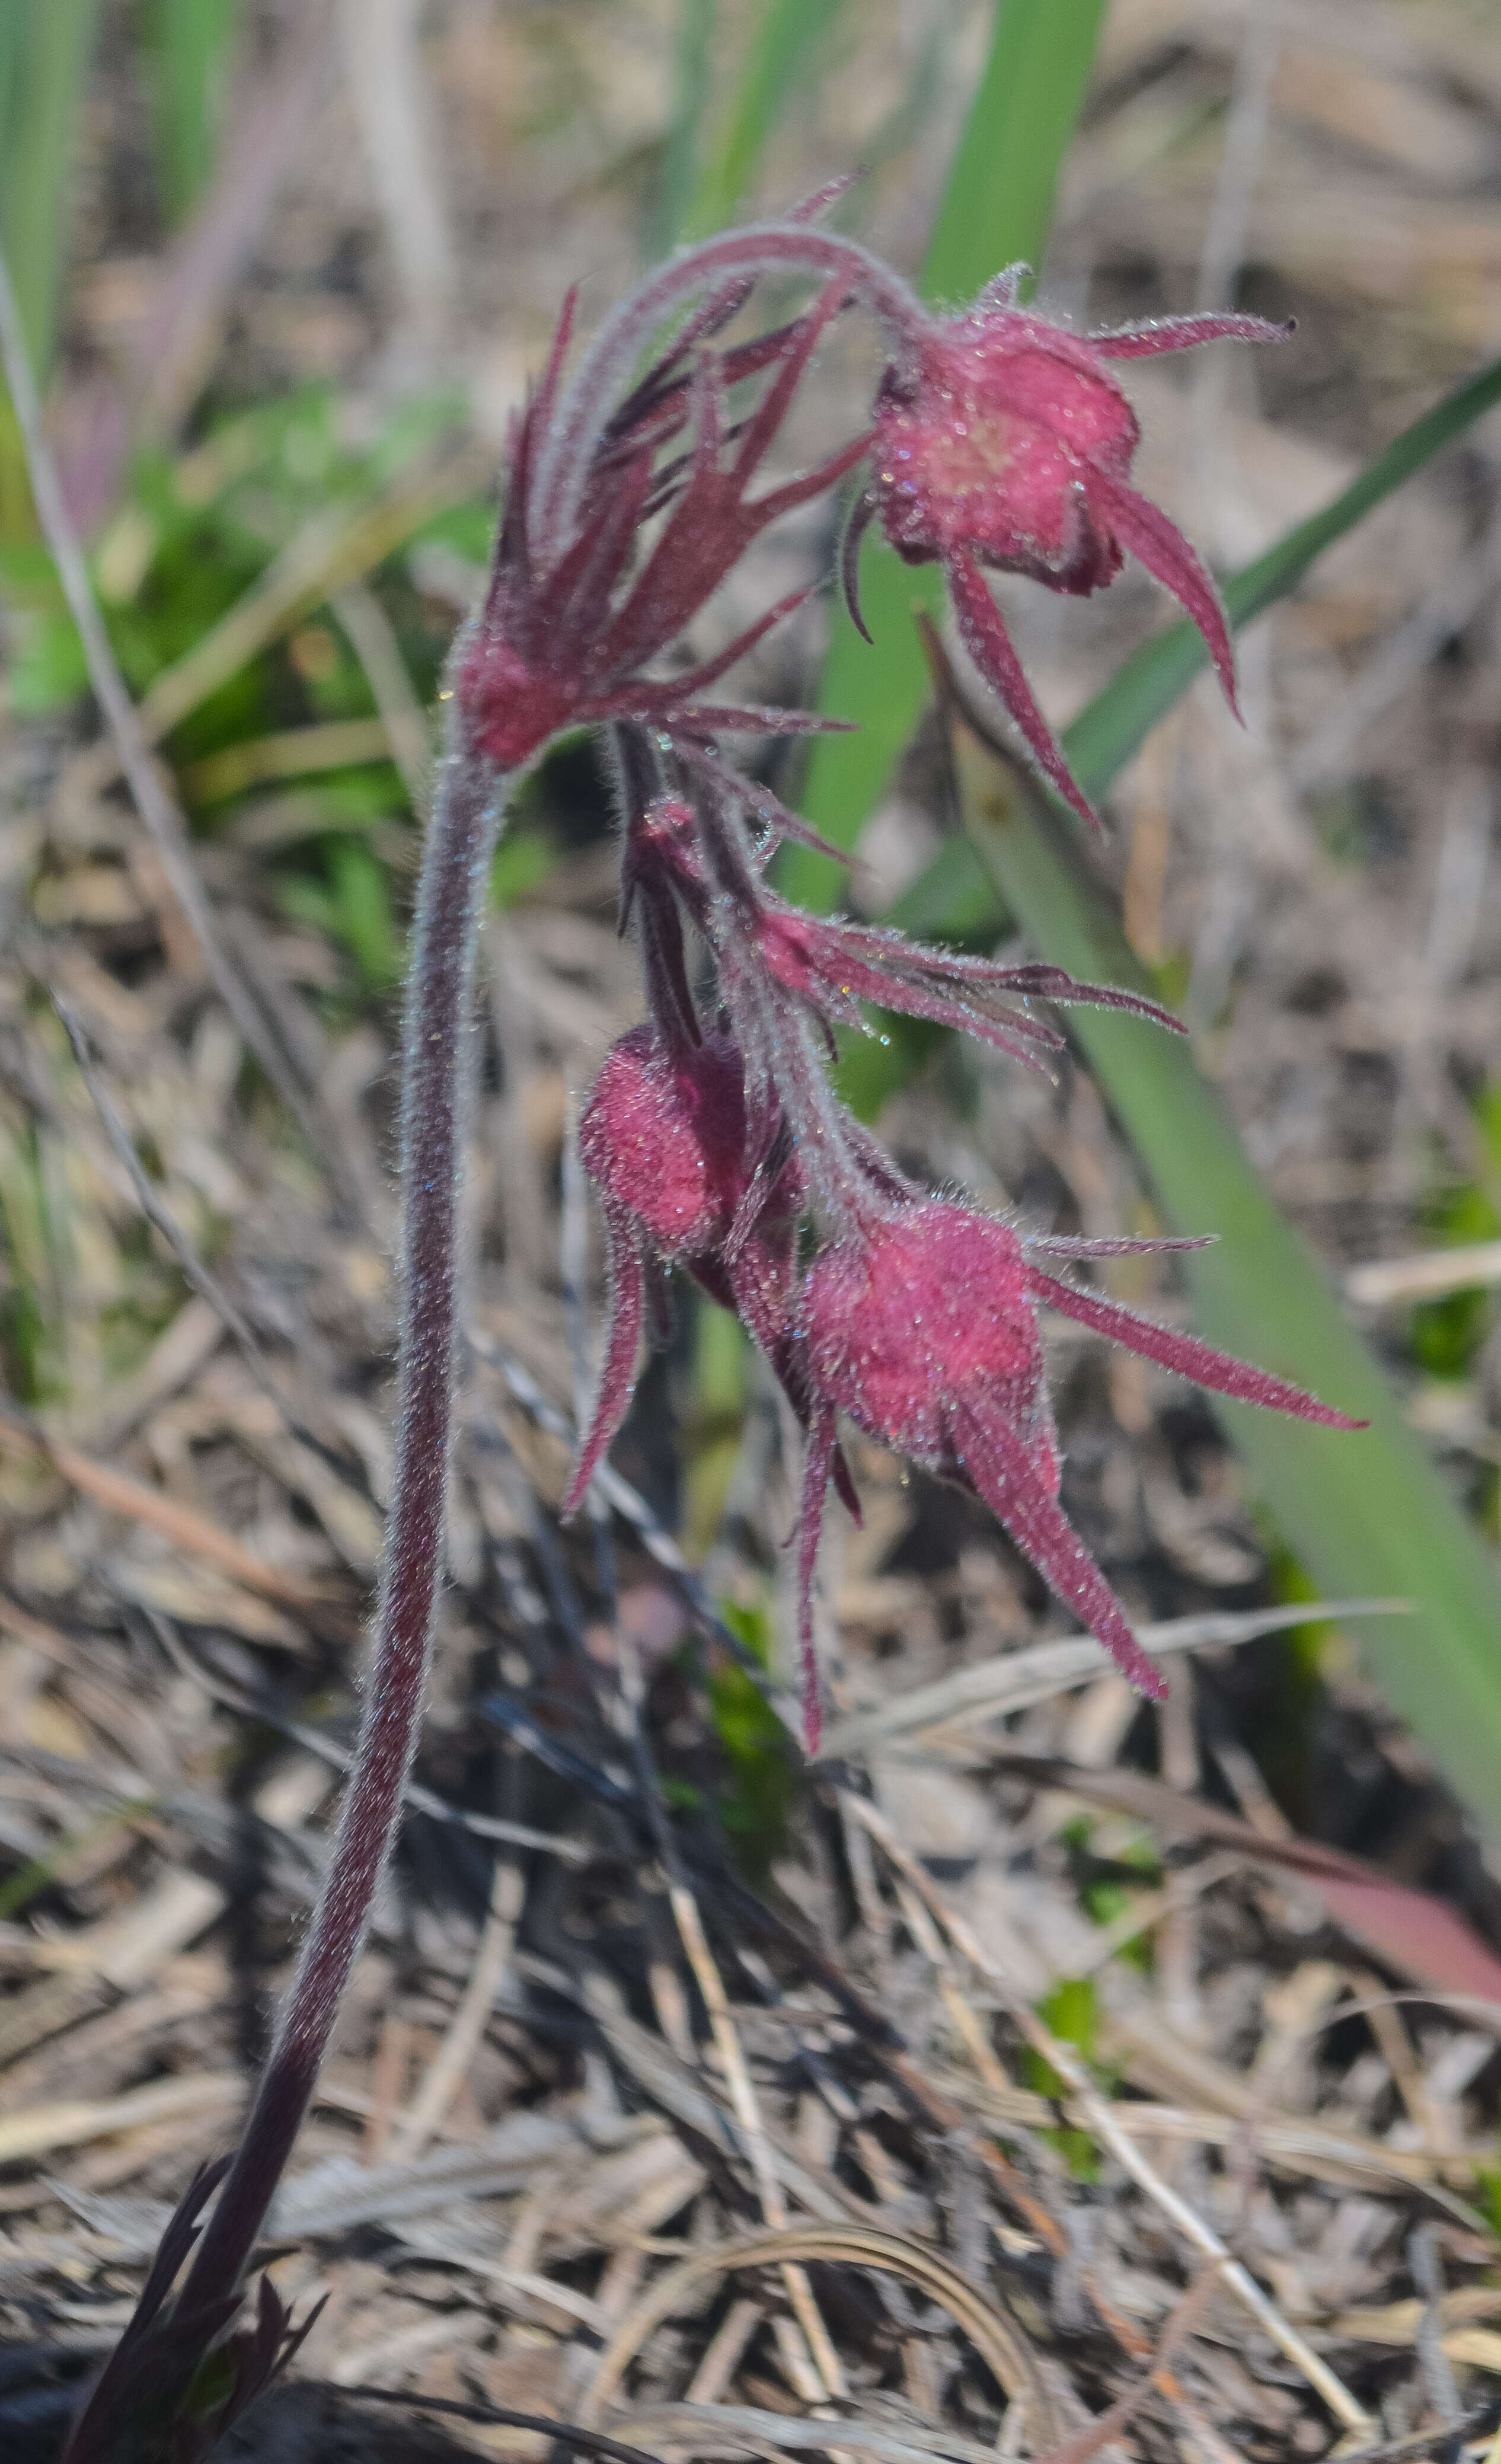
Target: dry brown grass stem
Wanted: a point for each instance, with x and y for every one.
(445, 2073)
(1104, 2121)
(999, 2342)
(814, 2365)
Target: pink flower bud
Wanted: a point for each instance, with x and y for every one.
(926, 1311)
(664, 1136)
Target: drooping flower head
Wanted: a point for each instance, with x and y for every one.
(1002, 442)
(714, 1134)
(916, 1316)
(999, 442)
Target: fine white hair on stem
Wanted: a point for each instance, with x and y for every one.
(468, 807)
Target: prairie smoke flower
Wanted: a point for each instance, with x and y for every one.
(707, 1147)
(714, 1134)
(1002, 441)
(999, 440)
(916, 1317)
(921, 1325)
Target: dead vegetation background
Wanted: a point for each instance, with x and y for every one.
(914, 2093)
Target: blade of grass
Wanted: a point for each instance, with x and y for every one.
(50, 51)
(697, 22)
(44, 52)
(1364, 1512)
(1104, 736)
(782, 50)
(191, 42)
(997, 207)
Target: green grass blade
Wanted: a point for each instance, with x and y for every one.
(190, 43)
(998, 204)
(1364, 1512)
(997, 207)
(47, 46)
(782, 50)
(1104, 736)
(692, 48)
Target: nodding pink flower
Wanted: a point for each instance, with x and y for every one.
(1000, 443)
(663, 1137)
(1003, 442)
(922, 1327)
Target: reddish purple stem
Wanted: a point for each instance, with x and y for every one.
(455, 866)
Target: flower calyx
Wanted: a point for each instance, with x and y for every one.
(1003, 443)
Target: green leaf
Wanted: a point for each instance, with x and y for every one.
(352, 905)
(998, 204)
(524, 860)
(44, 54)
(996, 209)
(755, 1800)
(784, 50)
(1365, 1512)
(190, 45)
(698, 24)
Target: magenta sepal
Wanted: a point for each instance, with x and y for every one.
(921, 1323)
(1219, 1370)
(1004, 443)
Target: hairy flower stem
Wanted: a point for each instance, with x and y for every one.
(460, 842)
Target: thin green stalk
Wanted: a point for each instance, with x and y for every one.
(191, 45)
(697, 22)
(783, 49)
(1104, 736)
(44, 52)
(47, 46)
